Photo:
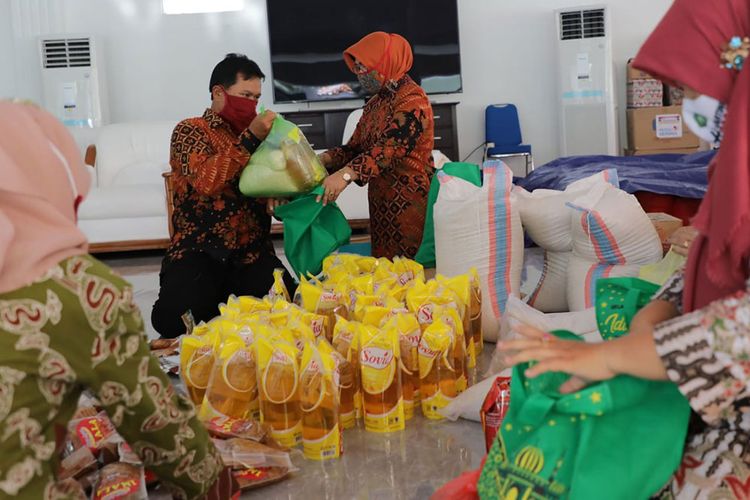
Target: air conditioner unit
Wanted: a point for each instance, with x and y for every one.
(588, 111)
(72, 80)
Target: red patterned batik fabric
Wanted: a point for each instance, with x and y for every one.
(391, 150)
(210, 214)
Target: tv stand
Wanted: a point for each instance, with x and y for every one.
(325, 128)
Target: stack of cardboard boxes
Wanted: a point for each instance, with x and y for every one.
(655, 122)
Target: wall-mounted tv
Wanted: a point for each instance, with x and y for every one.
(308, 37)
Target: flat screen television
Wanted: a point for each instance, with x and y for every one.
(308, 37)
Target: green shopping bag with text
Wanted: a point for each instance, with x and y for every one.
(466, 171)
(312, 232)
(619, 439)
(617, 301)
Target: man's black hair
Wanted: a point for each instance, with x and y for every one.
(225, 73)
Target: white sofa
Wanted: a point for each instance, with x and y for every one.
(126, 208)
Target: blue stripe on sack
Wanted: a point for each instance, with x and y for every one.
(601, 240)
(614, 178)
(502, 243)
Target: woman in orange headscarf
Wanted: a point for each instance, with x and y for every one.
(391, 149)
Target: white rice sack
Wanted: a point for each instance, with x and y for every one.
(582, 277)
(582, 323)
(610, 227)
(480, 227)
(545, 215)
(548, 293)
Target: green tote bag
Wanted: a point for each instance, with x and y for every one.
(312, 232)
(619, 439)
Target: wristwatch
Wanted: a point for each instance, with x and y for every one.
(347, 177)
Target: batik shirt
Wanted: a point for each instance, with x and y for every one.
(78, 328)
(391, 149)
(707, 354)
(210, 214)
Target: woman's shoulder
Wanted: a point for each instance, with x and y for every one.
(409, 93)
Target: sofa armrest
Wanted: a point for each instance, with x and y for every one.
(90, 157)
(170, 200)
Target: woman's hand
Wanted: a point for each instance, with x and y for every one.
(585, 362)
(682, 239)
(335, 184)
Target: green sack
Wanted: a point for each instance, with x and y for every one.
(283, 165)
(466, 171)
(312, 232)
(619, 439)
(617, 301)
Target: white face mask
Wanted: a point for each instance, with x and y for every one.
(704, 116)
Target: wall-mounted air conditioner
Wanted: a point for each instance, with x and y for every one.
(588, 111)
(73, 81)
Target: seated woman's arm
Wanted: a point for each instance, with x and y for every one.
(159, 424)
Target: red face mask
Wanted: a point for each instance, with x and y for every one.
(239, 112)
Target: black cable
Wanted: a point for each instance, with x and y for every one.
(474, 151)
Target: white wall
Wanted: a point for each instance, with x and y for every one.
(7, 79)
(158, 66)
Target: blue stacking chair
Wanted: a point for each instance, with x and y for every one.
(502, 128)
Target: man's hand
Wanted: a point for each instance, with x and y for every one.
(272, 204)
(261, 124)
(325, 159)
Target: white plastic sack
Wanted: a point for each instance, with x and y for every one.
(582, 277)
(468, 404)
(582, 323)
(610, 227)
(545, 215)
(546, 283)
(480, 227)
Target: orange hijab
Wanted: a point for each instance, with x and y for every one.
(41, 178)
(387, 53)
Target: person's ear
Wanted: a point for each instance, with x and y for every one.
(217, 95)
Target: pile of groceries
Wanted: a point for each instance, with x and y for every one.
(370, 340)
(366, 344)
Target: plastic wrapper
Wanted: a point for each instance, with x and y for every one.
(245, 453)
(382, 396)
(120, 481)
(233, 389)
(494, 408)
(256, 477)
(278, 290)
(283, 165)
(319, 402)
(278, 374)
(197, 358)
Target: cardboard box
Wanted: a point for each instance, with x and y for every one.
(665, 226)
(659, 128)
(678, 151)
(636, 74)
(673, 96)
(645, 93)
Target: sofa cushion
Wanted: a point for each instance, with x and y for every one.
(121, 146)
(137, 200)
